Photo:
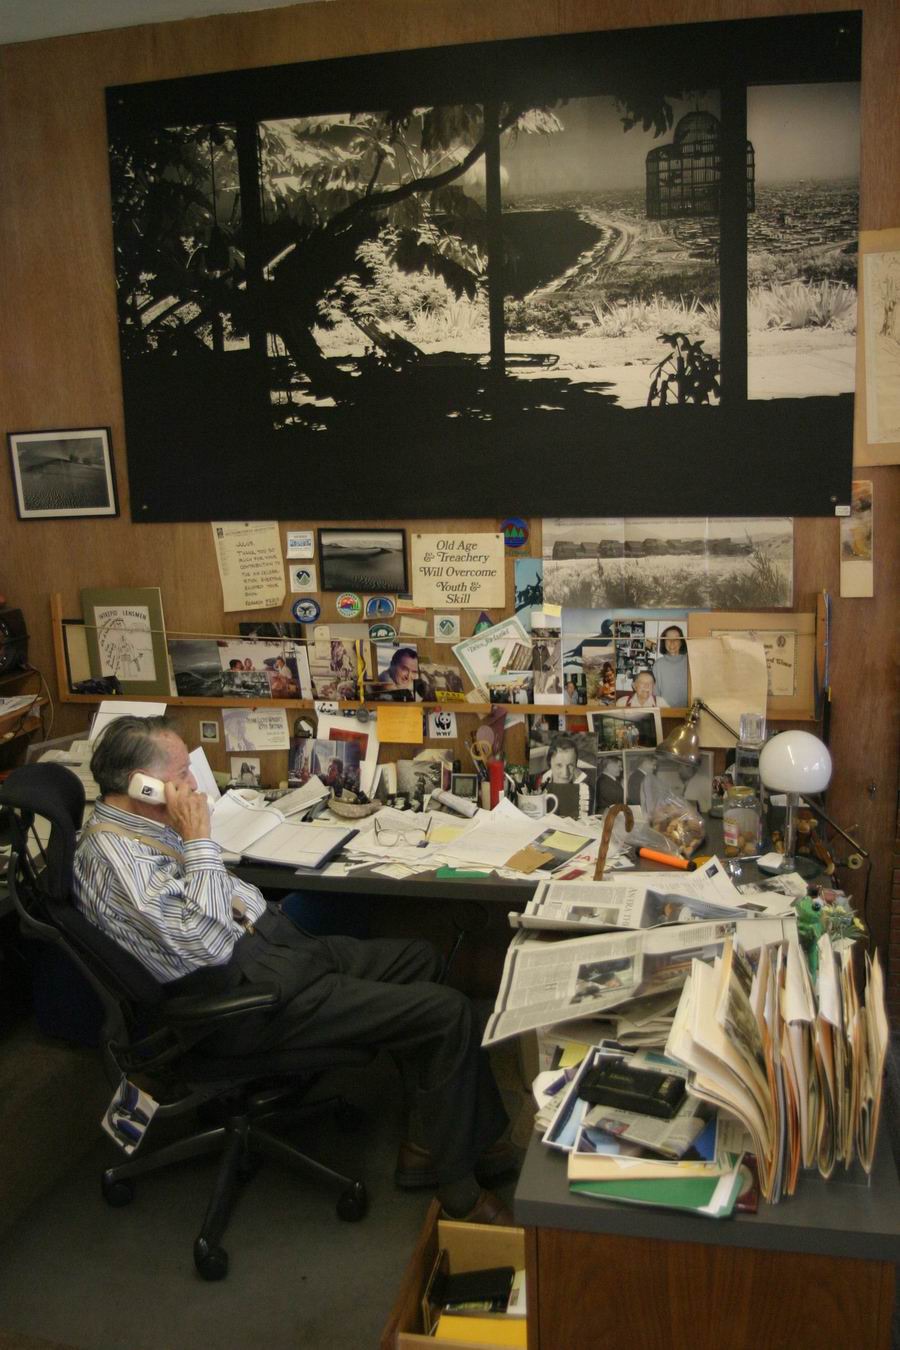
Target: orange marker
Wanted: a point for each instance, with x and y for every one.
(670, 859)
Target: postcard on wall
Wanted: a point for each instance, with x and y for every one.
(504, 646)
(529, 587)
(857, 543)
(300, 544)
(126, 637)
(255, 729)
(279, 668)
(467, 571)
(196, 667)
(251, 569)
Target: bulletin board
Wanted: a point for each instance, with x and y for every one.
(801, 703)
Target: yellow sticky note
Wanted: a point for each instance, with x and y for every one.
(554, 610)
(400, 722)
(445, 834)
(566, 843)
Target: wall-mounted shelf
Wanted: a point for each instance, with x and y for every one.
(460, 707)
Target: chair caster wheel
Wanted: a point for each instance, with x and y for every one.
(117, 1192)
(353, 1203)
(211, 1262)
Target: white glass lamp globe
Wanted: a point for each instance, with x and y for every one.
(795, 761)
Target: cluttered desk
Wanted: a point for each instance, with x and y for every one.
(710, 1030)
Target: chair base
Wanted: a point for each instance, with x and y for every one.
(244, 1141)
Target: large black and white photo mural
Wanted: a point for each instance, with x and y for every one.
(611, 273)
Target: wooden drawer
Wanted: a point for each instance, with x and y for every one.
(471, 1247)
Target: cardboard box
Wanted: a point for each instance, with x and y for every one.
(470, 1246)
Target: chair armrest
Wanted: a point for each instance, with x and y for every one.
(190, 1009)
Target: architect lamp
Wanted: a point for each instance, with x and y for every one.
(682, 746)
(797, 764)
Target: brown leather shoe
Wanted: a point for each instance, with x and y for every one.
(414, 1167)
(488, 1208)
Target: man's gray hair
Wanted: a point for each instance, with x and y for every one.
(127, 745)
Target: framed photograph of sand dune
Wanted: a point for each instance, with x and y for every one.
(63, 473)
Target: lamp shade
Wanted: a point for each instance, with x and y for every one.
(795, 761)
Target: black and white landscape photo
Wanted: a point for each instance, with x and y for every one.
(363, 560)
(63, 473)
(506, 247)
(695, 563)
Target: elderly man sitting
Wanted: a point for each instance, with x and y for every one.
(150, 876)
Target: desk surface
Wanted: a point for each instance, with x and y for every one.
(363, 881)
(827, 1218)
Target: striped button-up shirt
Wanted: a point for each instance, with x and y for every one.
(173, 917)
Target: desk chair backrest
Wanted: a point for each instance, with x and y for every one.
(40, 883)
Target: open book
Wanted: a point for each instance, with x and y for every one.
(245, 829)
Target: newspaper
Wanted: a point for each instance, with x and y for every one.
(546, 980)
(644, 901)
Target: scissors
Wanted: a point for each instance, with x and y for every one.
(481, 752)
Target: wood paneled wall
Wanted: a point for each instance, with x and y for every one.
(59, 363)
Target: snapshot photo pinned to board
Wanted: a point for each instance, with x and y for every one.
(625, 333)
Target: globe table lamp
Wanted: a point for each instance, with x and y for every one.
(797, 764)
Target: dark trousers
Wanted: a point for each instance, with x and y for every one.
(339, 991)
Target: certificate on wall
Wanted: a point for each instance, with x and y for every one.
(251, 570)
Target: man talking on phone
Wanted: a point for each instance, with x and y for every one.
(148, 873)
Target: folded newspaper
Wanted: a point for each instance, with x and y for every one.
(546, 979)
(646, 900)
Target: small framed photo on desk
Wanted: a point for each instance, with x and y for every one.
(465, 785)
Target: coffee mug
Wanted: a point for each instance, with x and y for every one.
(536, 804)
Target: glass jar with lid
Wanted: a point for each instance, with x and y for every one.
(742, 822)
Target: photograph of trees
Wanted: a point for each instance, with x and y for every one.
(338, 278)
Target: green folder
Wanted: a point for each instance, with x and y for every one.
(687, 1193)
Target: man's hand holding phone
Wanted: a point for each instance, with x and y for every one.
(188, 811)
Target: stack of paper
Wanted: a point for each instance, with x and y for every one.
(801, 1068)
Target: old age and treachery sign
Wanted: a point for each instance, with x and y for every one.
(465, 571)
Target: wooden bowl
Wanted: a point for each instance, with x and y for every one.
(352, 810)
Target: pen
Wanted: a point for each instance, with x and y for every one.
(670, 859)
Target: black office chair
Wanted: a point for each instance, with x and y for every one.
(161, 1040)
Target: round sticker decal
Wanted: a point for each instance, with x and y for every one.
(383, 632)
(306, 610)
(380, 607)
(348, 605)
(515, 531)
